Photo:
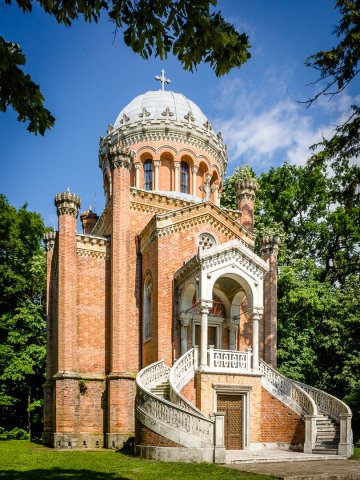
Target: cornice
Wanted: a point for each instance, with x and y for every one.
(91, 246)
(149, 201)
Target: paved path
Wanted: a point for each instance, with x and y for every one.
(319, 470)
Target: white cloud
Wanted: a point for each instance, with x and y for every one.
(266, 127)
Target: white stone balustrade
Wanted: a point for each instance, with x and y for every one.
(229, 360)
(336, 409)
(187, 428)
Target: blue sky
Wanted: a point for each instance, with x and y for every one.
(88, 76)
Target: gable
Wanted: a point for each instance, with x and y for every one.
(162, 225)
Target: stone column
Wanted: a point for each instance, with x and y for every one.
(232, 336)
(194, 171)
(215, 190)
(137, 175)
(177, 172)
(246, 194)
(184, 321)
(269, 246)
(204, 310)
(156, 164)
(255, 338)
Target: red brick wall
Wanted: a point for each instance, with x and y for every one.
(91, 314)
(278, 422)
(189, 391)
(145, 436)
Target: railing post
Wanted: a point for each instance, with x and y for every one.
(345, 446)
(310, 433)
(219, 443)
(211, 356)
(204, 333)
(249, 350)
(196, 357)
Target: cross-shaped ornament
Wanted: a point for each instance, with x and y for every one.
(161, 78)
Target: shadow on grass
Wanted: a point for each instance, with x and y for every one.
(58, 474)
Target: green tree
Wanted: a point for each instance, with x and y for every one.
(186, 28)
(22, 317)
(319, 274)
(337, 69)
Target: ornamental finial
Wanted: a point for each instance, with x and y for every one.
(161, 78)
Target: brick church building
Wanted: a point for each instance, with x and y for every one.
(161, 318)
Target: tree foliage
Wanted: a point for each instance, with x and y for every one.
(319, 273)
(186, 28)
(22, 317)
(337, 68)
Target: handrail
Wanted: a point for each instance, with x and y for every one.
(300, 400)
(325, 402)
(181, 373)
(187, 428)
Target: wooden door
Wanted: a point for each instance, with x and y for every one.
(232, 406)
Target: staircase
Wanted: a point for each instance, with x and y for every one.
(162, 390)
(327, 436)
(162, 408)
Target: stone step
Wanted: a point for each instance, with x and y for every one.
(270, 456)
(325, 451)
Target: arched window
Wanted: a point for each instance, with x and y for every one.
(148, 175)
(184, 177)
(147, 308)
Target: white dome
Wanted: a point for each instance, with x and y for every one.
(161, 105)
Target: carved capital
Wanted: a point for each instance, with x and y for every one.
(231, 325)
(269, 245)
(255, 313)
(49, 240)
(120, 157)
(137, 166)
(208, 178)
(215, 187)
(67, 203)
(205, 306)
(176, 165)
(194, 169)
(156, 163)
(247, 189)
(184, 320)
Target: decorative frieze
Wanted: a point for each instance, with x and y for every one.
(120, 157)
(247, 189)
(155, 131)
(67, 203)
(49, 240)
(91, 246)
(269, 245)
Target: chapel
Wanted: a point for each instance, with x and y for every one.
(161, 318)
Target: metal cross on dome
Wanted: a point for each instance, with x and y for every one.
(161, 78)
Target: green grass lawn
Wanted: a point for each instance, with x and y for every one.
(356, 453)
(22, 460)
